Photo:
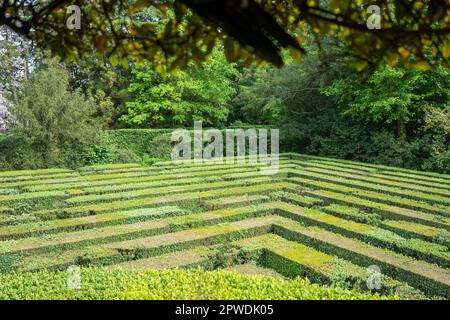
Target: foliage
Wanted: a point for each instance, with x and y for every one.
(380, 116)
(51, 126)
(436, 139)
(250, 30)
(160, 147)
(151, 143)
(179, 99)
(4, 113)
(106, 84)
(124, 156)
(137, 140)
(222, 215)
(392, 95)
(15, 62)
(256, 100)
(100, 284)
(410, 99)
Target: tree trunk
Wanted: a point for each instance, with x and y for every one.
(401, 131)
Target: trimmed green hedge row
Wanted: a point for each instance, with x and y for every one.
(173, 226)
(173, 199)
(122, 255)
(375, 168)
(416, 248)
(98, 284)
(154, 143)
(139, 141)
(339, 277)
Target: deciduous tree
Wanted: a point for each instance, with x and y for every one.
(182, 97)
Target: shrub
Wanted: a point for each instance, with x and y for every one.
(17, 154)
(149, 143)
(51, 126)
(137, 140)
(99, 153)
(97, 284)
(160, 147)
(147, 161)
(124, 156)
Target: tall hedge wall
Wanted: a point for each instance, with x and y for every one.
(153, 143)
(137, 140)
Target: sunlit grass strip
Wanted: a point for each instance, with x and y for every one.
(438, 178)
(162, 178)
(31, 196)
(193, 234)
(124, 217)
(43, 183)
(176, 181)
(392, 172)
(96, 186)
(161, 167)
(144, 247)
(24, 179)
(166, 190)
(189, 163)
(19, 173)
(176, 170)
(83, 223)
(365, 174)
(191, 168)
(110, 234)
(166, 200)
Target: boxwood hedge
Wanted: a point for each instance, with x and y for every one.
(102, 284)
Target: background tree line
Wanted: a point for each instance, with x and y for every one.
(385, 114)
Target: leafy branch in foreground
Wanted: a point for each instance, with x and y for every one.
(250, 30)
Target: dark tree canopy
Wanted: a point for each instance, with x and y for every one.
(179, 31)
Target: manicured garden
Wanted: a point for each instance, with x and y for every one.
(323, 219)
(342, 109)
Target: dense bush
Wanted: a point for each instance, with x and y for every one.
(112, 146)
(51, 125)
(124, 156)
(391, 116)
(101, 284)
(137, 140)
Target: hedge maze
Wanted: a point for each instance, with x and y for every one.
(325, 219)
